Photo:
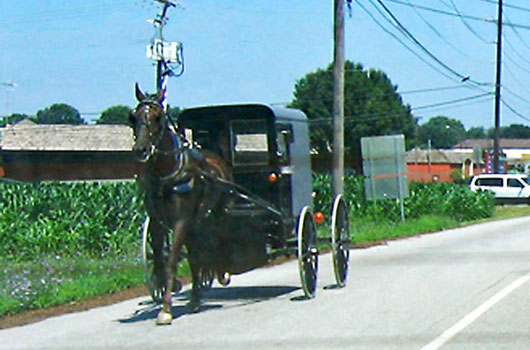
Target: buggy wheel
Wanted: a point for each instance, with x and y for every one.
(205, 278)
(155, 280)
(307, 252)
(340, 240)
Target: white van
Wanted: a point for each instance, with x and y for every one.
(507, 188)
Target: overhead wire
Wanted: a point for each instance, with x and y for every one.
(438, 34)
(385, 115)
(495, 2)
(513, 110)
(462, 77)
(514, 49)
(453, 14)
(473, 31)
(519, 36)
(421, 58)
(455, 101)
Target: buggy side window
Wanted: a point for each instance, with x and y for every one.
(284, 137)
(250, 143)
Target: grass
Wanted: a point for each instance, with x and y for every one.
(49, 281)
(368, 232)
(508, 212)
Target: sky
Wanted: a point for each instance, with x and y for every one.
(440, 53)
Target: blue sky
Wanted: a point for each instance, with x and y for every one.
(89, 54)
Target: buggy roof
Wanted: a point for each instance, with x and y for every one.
(240, 111)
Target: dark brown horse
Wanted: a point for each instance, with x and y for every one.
(181, 195)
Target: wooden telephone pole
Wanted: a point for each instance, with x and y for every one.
(496, 164)
(338, 99)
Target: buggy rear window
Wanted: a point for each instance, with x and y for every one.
(250, 142)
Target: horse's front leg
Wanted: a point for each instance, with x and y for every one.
(164, 316)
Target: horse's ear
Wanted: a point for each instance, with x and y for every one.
(139, 94)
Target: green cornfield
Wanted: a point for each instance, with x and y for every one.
(68, 219)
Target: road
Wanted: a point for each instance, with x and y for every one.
(466, 288)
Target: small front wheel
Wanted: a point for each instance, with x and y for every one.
(307, 252)
(340, 240)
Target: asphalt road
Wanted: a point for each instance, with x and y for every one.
(467, 288)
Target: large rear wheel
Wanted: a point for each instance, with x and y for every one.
(307, 252)
(340, 240)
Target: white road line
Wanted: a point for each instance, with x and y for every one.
(473, 316)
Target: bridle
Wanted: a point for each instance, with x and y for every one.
(180, 144)
(145, 121)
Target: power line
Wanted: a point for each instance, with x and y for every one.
(400, 41)
(508, 5)
(517, 33)
(438, 34)
(441, 88)
(455, 101)
(453, 14)
(514, 94)
(387, 115)
(441, 12)
(424, 49)
(515, 51)
(474, 32)
(509, 58)
(513, 110)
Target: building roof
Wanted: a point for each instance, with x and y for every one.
(437, 156)
(54, 137)
(488, 143)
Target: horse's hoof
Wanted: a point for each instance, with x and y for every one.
(194, 306)
(164, 318)
(223, 278)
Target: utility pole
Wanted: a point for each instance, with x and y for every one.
(164, 53)
(338, 99)
(496, 164)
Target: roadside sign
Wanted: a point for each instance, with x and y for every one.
(385, 168)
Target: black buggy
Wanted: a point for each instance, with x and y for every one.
(267, 149)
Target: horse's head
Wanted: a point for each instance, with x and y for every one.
(148, 121)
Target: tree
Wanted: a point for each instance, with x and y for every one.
(513, 131)
(372, 107)
(115, 115)
(13, 119)
(59, 113)
(443, 132)
(476, 132)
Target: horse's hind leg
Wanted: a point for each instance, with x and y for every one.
(195, 300)
(164, 316)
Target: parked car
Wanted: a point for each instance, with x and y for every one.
(507, 188)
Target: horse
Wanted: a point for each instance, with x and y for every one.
(180, 190)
